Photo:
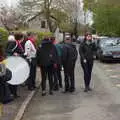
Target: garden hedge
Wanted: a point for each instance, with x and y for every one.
(40, 35)
(3, 36)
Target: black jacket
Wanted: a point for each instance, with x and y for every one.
(12, 47)
(47, 54)
(87, 51)
(5, 95)
(6, 77)
(69, 54)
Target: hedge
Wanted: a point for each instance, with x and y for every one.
(40, 35)
(3, 36)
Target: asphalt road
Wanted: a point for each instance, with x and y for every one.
(103, 103)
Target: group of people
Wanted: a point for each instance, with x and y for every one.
(51, 58)
(22, 45)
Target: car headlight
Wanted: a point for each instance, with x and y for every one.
(107, 53)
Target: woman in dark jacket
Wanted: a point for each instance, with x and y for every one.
(86, 51)
(14, 48)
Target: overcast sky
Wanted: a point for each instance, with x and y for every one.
(9, 2)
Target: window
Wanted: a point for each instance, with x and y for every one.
(43, 24)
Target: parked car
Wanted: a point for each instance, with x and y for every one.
(108, 49)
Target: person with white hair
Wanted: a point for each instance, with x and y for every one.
(11, 37)
(14, 48)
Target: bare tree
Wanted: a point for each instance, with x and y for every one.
(10, 18)
(34, 8)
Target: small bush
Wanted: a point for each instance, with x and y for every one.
(40, 35)
(3, 36)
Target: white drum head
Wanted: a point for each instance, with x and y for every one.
(19, 68)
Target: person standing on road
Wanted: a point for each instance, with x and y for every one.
(86, 51)
(30, 54)
(69, 57)
(47, 60)
(57, 71)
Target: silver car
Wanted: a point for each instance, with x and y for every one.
(109, 49)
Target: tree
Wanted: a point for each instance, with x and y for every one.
(10, 18)
(73, 9)
(34, 8)
(56, 12)
(106, 16)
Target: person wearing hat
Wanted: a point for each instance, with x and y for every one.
(86, 51)
(69, 57)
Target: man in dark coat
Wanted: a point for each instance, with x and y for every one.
(47, 60)
(86, 51)
(69, 58)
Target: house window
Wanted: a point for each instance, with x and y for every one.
(43, 24)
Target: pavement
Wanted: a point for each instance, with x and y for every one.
(15, 109)
(103, 103)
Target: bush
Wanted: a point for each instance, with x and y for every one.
(3, 36)
(40, 35)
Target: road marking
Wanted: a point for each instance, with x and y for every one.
(24, 106)
(27, 101)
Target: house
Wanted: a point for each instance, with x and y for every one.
(38, 23)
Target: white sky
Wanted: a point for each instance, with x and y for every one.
(9, 2)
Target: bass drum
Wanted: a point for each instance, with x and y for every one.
(19, 68)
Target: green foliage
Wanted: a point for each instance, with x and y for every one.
(107, 20)
(3, 36)
(89, 4)
(106, 16)
(40, 35)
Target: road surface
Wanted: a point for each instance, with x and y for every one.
(103, 103)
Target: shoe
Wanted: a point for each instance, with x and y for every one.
(7, 101)
(43, 93)
(89, 89)
(56, 89)
(31, 89)
(16, 96)
(86, 90)
(51, 93)
(72, 90)
(66, 91)
(34, 87)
